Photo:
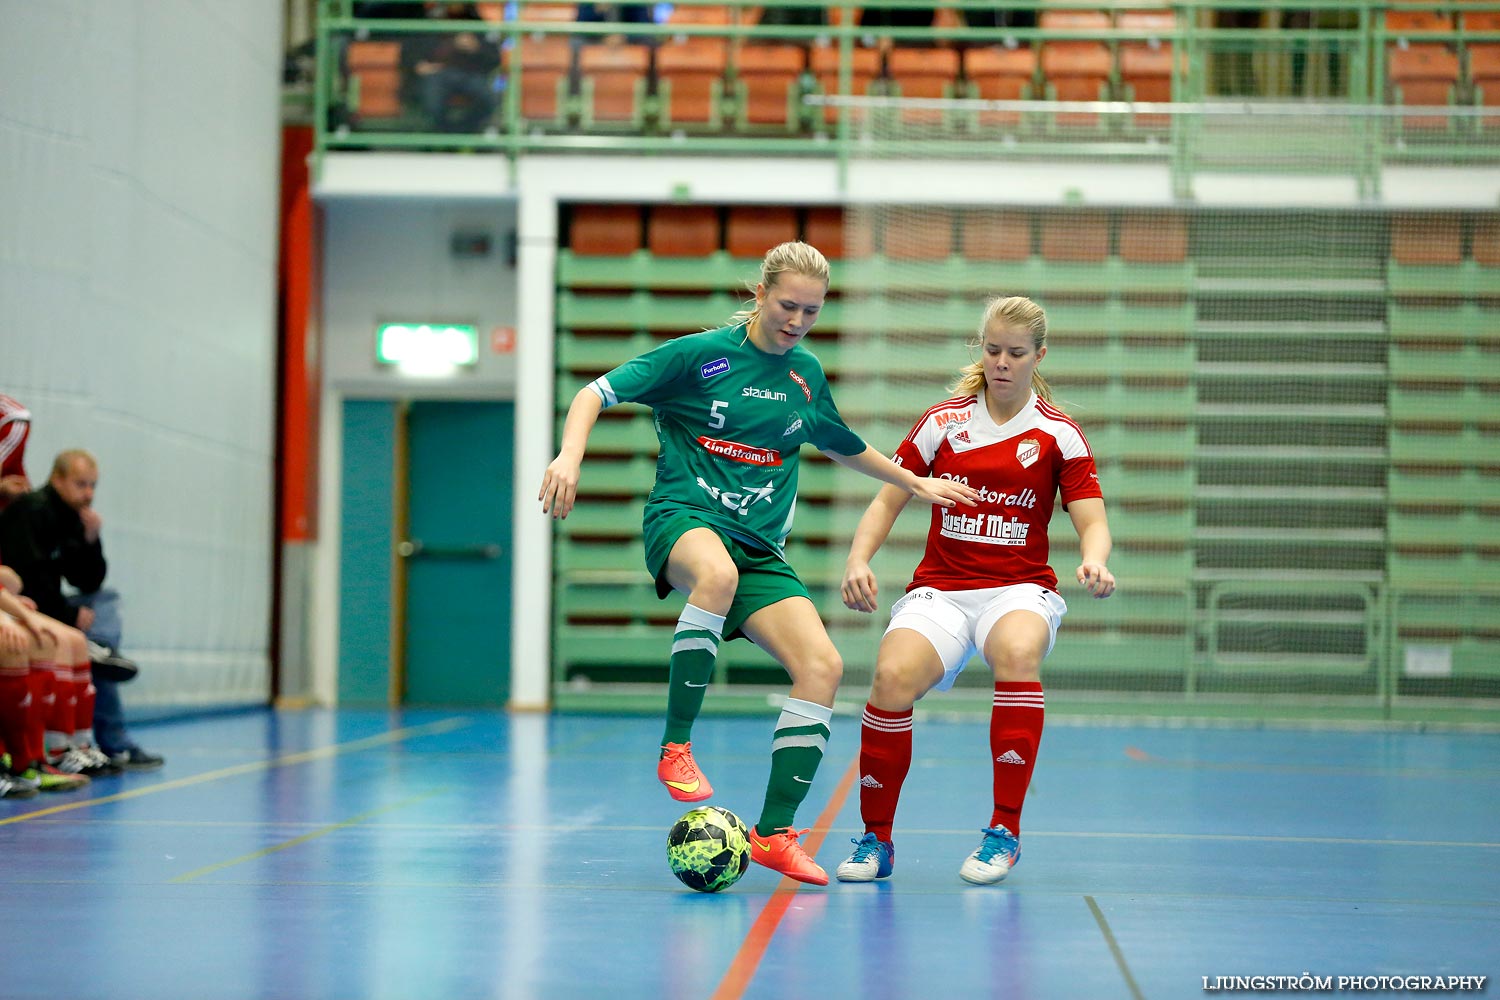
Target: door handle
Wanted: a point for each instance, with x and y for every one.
(412, 548)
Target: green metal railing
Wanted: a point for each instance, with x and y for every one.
(1310, 97)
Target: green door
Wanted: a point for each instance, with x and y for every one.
(457, 553)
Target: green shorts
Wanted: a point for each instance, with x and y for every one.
(765, 577)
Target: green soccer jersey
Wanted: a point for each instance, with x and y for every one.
(731, 420)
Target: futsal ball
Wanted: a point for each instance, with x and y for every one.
(708, 849)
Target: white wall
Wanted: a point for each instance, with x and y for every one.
(139, 145)
(389, 261)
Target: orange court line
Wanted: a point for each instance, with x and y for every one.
(753, 948)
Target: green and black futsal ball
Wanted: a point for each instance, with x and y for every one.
(708, 849)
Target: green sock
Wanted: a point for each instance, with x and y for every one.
(694, 648)
(796, 751)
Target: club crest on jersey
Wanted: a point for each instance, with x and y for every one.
(801, 383)
(1027, 452)
(713, 368)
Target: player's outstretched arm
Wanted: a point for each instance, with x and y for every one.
(560, 481)
(944, 492)
(1094, 544)
(860, 590)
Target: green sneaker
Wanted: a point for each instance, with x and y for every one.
(50, 779)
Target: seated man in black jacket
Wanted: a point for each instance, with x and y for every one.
(52, 535)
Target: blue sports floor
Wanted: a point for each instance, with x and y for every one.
(319, 854)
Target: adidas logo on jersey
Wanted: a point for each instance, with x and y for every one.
(868, 781)
(962, 437)
(1010, 757)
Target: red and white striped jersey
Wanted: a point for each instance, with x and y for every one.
(15, 424)
(1018, 469)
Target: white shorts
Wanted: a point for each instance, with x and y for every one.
(957, 622)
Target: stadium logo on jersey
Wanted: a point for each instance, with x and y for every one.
(988, 529)
(739, 502)
(755, 393)
(713, 368)
(736, 452)
(1027, 452)
(801, 383)
(793, 425)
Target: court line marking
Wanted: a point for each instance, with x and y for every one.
(305, 838)
(1247, 838)
(301, 757)
(742, 968)
(1114, 948)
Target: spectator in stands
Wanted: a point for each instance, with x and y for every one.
(15, 425)
(999, 17)
(899, 17)
(984, 586)
(453, 72)
(733, 407)
(619, 13)
(50, 536)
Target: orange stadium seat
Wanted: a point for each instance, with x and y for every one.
(690, 81)
(996, 73)
(560, 13)
(864, 69)
(707, 14)
(614, 81)
(1423, 75)
(1484, 76)
(1076, 70)
(546, 62)
(1485, 244)
(605, 230)
(375, 76)
(1417, 22)
(922, 72)
(751, 230)
(683, 230)
(824, 228)
(1075, 236)
(932, 240)
(1426, 239)
(766, 80)
(996, 235)
(1154, 238)
(1146, 66)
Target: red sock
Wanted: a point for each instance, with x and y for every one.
(884, 759)
(64, 699)
(1015, 735)
(83, 697)
(39, 680)
(15, 716)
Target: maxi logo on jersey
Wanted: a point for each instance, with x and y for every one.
(738, 502)
(736, 452)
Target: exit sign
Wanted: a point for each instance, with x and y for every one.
(427, 345)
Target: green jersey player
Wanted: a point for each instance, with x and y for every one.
(732, 408)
